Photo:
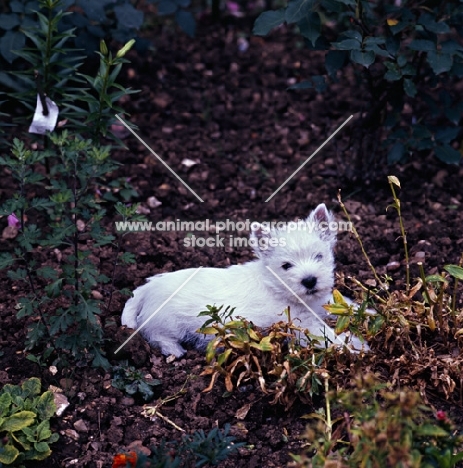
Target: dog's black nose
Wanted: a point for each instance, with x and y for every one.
(309, 282)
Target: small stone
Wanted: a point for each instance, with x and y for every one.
(80, 225)
(170, 359)
(127, 401)
(153, 202)
(392, 266)
(72, 434)
(143, 210)
(80, 426)
(189, 162)
(97, 295)
(9, 232)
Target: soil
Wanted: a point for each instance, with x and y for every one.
(223, 119)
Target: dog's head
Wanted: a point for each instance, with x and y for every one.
(298, 255)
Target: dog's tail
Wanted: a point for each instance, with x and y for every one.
(130, 313)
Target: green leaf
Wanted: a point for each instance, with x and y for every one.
(440, 62)
(5, 402)
(42, 447)
(393, 72)
(422, 45)
(396, 153)
(431, 430)
(9, 21)
(342, 324)
(435, 279)
(447, 154)
(46, 406)
(31, 387)
(8, 454)
(128, 16)
(186, 21)
(334, 61)
(166, 7)
(6, 260)
(365, 58)
(43, 430)
(310, 27)
(223, 357)
(347, 44)
(11, 41)
(455, 271)
(431, 25)
(298, 9)
(409, 87)
(268, 20)
(18, 421)
(353, 34)
(446, 134)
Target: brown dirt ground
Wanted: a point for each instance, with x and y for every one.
(229, 111)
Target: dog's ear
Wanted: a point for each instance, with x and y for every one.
(323, 223)
(260, 239)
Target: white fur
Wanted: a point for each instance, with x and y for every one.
(251, 288)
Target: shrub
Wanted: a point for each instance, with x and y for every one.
(25, 415)
(382, 429)
(61, 295)
(274, 358)
(68, 178)
(403, 53)
(89, 21)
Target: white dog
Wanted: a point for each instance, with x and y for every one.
(294, 268)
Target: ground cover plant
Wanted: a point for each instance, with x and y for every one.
(25, 423)
(221, 116)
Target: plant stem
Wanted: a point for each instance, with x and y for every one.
(404, 237)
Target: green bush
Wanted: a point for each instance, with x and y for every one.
(90, 22)
(61, 294)
(403, 52)
(25, 415)
(68, 178)
(382, 429)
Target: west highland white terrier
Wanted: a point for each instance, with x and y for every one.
(294, 268)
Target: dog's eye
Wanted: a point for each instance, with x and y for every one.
(286, 266)
(319, 257)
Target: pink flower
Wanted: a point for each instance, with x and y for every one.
(441, 415)
(13, 221)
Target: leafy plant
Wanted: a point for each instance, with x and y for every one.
(88, 22)
(133, 382)
(273, 358)
(426, 313)
(403, 54)
(61, 295)
(25, 415)
(88, 103)
(69, 180)
(382, 429)
(200, 448)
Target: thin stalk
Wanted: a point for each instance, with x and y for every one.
(455, 287)
(404, 236)
(329, 423)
